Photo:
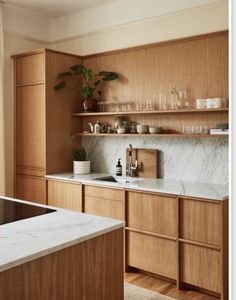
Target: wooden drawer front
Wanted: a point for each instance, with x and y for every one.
(64, 195)
(31, 188)
(30, 69)
(152, 213)
(30, 127)
(201, 267)
(152, 254)
(200, 221)
(104, 207)
(104, 193)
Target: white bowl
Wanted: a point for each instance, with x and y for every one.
(154, 130)
(120, 130)
(142, 129)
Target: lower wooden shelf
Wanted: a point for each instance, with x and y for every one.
(153, 135)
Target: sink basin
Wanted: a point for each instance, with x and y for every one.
(121, 180)
(106, 178)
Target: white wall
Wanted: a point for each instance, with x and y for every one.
(190, 22)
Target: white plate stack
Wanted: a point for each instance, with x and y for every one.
(81, 167)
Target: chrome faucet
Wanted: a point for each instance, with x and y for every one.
(132, 167)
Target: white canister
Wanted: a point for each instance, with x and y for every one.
(201, 103)
(210, 103)
(218, 102)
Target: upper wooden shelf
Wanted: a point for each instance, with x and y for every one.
(168, 111)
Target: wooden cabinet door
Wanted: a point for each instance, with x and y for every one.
(30, 68)
(30, 130)
(152, 254)
(155, 213)
(104, 202)
(31, 188)
(201, 221)
(65, 195)
(201, 267)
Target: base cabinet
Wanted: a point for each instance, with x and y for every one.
(104, 202)
(153, 254)
(65, 195)
(201, 266)
(31, 188)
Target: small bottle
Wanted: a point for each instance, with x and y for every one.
(119, 168)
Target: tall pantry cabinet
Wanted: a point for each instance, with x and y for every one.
(43, 123)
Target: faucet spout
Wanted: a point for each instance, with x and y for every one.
(132, 167)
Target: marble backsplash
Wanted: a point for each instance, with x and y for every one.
(193, 159)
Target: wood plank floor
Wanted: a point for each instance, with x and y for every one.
(164, 287)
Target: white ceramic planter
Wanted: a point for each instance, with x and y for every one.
(81, 167)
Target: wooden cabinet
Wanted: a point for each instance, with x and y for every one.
(65, 195)
(201, 221)
(201, 267)
(152, 254)
(203, 240)
(43, 122)
(180, 238)
(152, 212)
(106, 202)
(30, 126)
(31, 188)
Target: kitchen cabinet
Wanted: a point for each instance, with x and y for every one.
(65, 195)
(102, 201)
(31, 188)
(203, 238)
(184, 239)
(43, 124)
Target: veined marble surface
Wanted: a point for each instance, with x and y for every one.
(31, 238)
(166, 186)
(198, 159)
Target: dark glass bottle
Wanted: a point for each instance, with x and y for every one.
(119, 168)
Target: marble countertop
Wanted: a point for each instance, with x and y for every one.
(31, 238)
(167, 186)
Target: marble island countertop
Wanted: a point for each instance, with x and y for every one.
(31, 238)
(167, 186)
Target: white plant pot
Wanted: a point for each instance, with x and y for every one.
(81, 167)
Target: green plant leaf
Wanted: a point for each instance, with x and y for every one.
(108, 76)
(87, 92)
(79, 154)
(65, 74)
(60, 85)
(78, 69)
(88, 74)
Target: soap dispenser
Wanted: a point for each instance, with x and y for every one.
(119, 168)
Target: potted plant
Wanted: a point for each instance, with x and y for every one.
(80, 164)
(90, 84)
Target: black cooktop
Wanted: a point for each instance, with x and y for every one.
(11, 211)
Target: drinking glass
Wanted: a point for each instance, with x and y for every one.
(149, 104)
(162, 101)
(139, 105)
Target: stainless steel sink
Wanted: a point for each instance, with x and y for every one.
(121, 180)
(106, 178)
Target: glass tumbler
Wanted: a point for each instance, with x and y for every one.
(162, 101)
(149, 104)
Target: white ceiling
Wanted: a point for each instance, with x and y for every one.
(55, 8)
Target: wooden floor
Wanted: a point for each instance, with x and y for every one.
(164, 287)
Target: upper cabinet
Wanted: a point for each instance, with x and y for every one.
(43, 122)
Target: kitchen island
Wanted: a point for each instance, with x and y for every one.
(61, 255)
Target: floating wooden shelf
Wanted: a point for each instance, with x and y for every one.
(153, 135)
(169, 111)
